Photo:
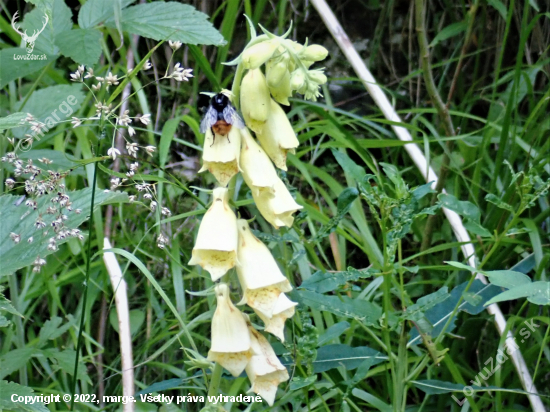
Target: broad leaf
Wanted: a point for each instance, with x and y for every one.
(462, 207)
(499, 202)
(334, 356)
(81, 45)
(95, 12)
(15, 219)
(333, 332)
(507, 278)
(349, 166)
(426, 302)
(52, 329)
(15, 359)
(12, 65)
(169, 21)
(7, 389)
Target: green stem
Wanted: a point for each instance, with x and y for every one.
(215, 380)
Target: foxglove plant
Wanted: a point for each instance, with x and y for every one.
(223, 241)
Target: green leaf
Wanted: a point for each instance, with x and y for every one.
(461, 266)
(5, 304)
(507, 278)
(52, 330)
(169, 21)
(334, 356)
(476, 228)
(393, 174)
(65, 361)
(440, 313)
(13, 67)
(536, 292)
(137, 317)
(51, 105)
(462, 207)
(362, 310)
(349, 166)
(322, 282)
(94, 12)
(499, 202)
(426, 302)
(11, 121)
(81, 45)
(450, 31)
(299, 382)
(16, 256)
(7, 389)
(437, 387)
(59, 21)
(345, 201)
(500, 7)
(333, 332)
(372, 400)
(15, 359)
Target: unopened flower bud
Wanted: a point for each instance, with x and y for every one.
(317, 76)
(258, 54)
(297, 80)
(275, 73)
(315, 53)
(255, 99)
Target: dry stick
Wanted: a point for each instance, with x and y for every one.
(418, 158)
(123, 314)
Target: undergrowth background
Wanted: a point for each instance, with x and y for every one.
(491, 72)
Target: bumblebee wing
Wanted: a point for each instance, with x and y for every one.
(231, 116)
(210, 118)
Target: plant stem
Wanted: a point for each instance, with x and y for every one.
(215, 380)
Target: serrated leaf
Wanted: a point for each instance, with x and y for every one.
(81, 45)
(322, 282)
(169, 21)
(16, 256)
(65, 362)
(7, 389)
(362, 310)
(95, 12)
(334, 356)
(52, 329)
(6, 306)
(450, 31)
(11, 121)
(59, 21)
(15, 359)
(536, 292)
(12, 65)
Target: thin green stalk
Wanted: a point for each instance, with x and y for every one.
(215, 380)
(87, 278)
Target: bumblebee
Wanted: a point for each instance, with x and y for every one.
(220, 116)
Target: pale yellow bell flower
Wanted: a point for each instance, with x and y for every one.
(278, 81)
(261, 279)
(215, 249)
(255, 99)
(258, 171)
(221, 156)
(231, 345)
(264, 370)
(256, 55)
(277, 136)
(283, 309)
(277, 206)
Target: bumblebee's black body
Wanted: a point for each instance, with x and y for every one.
(220, 117)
